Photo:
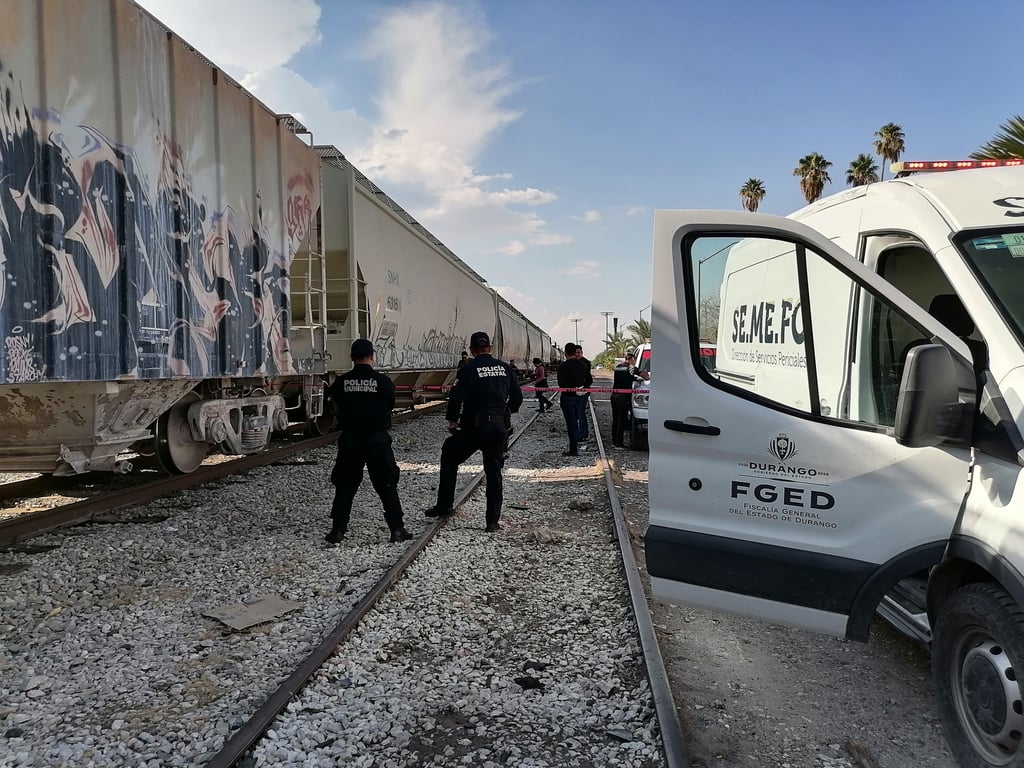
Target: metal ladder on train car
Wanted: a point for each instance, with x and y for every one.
(315, 319)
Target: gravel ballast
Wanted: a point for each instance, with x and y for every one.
(515, 648)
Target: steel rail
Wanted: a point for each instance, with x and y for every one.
(252, 730)
(35, 523)
(672, 739)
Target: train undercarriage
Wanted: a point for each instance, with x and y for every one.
(76, 427)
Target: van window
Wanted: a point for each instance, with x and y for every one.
(914, 272)
(793, 330)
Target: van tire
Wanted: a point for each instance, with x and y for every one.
(977, 666)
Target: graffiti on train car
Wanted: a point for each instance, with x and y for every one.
(300, 208)
(436, 349)
(111, 269)
(21, 361)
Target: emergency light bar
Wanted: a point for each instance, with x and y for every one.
(910, 166)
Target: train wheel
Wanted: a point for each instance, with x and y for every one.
(176, 451)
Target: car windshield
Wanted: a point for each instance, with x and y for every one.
(997, 258)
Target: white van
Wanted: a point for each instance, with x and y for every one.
(858, 446)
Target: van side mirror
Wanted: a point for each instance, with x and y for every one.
(928, 410)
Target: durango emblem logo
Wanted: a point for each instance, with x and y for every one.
(782, 448)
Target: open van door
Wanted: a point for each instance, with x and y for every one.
(808, 472)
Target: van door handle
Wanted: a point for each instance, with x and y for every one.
(697, 429)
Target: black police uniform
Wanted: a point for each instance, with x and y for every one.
(363, 401)
(484, 390)
(622, 378)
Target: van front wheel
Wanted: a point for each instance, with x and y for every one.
(977, 660)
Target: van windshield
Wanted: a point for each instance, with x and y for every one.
(997, 258)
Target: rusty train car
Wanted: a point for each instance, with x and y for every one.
(182, 270)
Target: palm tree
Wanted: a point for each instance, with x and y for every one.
(752, 193)
(639, 332)
(1007, 145)
(617, 344)
(862, 171)
(813, 173)
(889, 144)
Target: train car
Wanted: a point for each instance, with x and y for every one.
(181, 271)
(557, 354)
(150, 209)
(535, 337)
(545, 353)
(390, 280)
(511, 336)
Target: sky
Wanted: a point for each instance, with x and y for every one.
(536, 138)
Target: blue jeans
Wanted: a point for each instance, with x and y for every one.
(584, 407)
(572, 410)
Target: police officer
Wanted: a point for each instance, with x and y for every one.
(623, 376)
(484, 389)
(363, 401)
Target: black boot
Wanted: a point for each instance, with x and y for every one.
(400, 534)
(435, 511)
(335, 536)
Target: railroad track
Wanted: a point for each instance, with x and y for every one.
(674, 749)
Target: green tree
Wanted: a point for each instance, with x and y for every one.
(752, 193)
(813, 173)
(862, 171)
(1007, 145)
(639, 332)
(617, 344)
(707, 318)
(889, 144)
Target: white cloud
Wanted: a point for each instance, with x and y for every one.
(548, 238)
(440, 99)
(582, 268)
(242, 36)
(589, 217)
(517, 298)
(286, 91)
(589, 331)
(513, 248)
(636, 210)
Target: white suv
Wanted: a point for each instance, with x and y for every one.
(641, 391)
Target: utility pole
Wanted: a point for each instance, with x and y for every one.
(576, 320)
(606, 316)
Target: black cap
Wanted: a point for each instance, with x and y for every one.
(361, 348)
(480, 339)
